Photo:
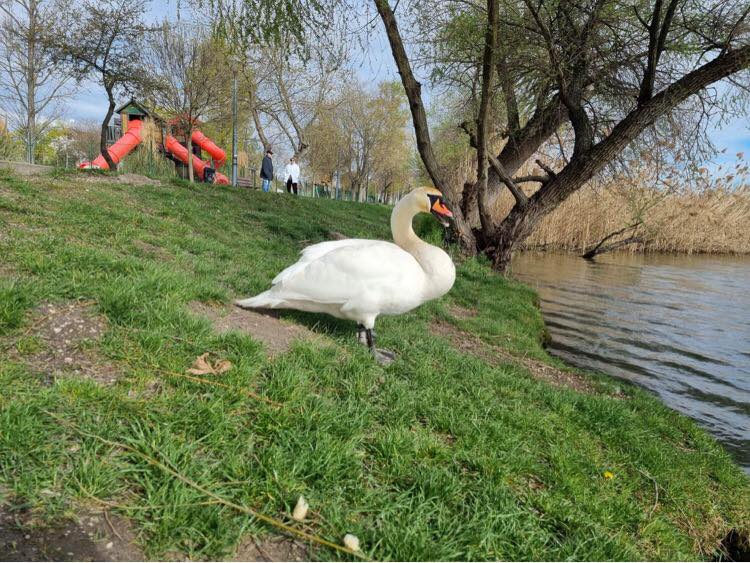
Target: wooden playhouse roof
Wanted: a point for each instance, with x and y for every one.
(132, 107)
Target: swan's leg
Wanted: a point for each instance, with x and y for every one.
(383, 357)
(362, 335)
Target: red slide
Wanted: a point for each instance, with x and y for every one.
(218, 155)
(175, 148)
(123, 146)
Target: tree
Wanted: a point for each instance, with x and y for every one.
(86, 136)
(8, 145)
(362, 133)
(190, 78)
(104, 38)
(610, 71)
(381, 150)
(32, 87)
(290, 65)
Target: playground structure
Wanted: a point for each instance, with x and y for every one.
(132, 116)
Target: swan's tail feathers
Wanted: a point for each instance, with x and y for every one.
(261, 301)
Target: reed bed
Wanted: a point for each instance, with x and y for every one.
(715, 221)
(711, 219)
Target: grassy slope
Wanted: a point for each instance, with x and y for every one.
(439, 456)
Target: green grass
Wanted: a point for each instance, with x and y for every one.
(439, 456)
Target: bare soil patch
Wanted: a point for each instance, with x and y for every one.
(7, 270)
(128, 179)
(335, 235)
(471, 344)
(276, 334)
(67, 333)
(271, 549)
(24, 168)
(92, 536)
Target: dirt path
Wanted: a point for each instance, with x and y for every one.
(92, 536)
(276, 334)
(64, 336)
(26, 169)
(271, 549)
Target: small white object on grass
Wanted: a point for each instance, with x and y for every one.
(352, 542)
(300, 511)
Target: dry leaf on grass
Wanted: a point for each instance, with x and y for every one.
(223, 366)
(201, 366)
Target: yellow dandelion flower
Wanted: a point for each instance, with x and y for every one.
(608, 475)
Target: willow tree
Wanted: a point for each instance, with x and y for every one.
(609, 70)
(290, 65)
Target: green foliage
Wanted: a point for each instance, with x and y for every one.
(14, 300)
(440, 456)
(271, 22)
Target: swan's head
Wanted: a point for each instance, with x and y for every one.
(430, 200)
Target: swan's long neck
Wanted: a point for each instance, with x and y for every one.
(403, 233)
(437, 265)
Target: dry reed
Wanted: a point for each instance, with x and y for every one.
(713, 219)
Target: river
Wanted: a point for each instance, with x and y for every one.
(676, 325)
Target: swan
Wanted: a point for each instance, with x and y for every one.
(360, 279)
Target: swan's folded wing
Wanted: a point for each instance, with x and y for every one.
(351, 271)
(314, 252)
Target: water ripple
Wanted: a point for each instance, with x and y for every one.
(676, 325)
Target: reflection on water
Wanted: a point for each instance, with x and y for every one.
(677, 325)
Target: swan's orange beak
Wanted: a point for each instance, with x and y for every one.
(441, 211)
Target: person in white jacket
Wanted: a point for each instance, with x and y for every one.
(291, 172)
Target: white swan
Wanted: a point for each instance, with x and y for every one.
(359, 279)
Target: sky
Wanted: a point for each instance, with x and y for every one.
(375, 65)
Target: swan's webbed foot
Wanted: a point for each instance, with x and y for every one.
(383, 357)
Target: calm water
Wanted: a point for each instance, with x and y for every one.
(677, 325)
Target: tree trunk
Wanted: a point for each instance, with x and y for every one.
(520, 222)
(488, 67)
(31, 76)
(520, 147)
(105, 124)
(191, 172)
(460, 231)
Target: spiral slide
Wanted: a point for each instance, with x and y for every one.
(218, 155)
(178, 151)
(132, 138)
(117, 151)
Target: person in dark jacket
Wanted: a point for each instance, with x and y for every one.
(266, 171)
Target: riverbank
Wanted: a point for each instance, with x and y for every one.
(673, 324)
(474, 444)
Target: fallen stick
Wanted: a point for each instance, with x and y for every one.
(276, 523)
(217, 384)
